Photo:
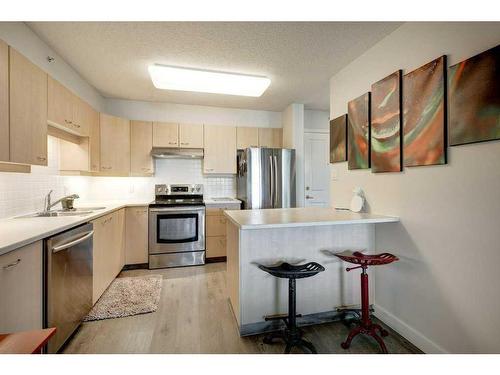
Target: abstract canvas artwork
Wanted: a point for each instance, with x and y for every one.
(474, 86)
(338, 134)
(358, 132)
(386, 124)
(424, 114)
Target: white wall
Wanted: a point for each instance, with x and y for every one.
(25, 41)
(316, 120)
(443, 293)
(293, 137)
(196, 114)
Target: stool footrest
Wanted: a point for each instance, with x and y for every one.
(279, 317)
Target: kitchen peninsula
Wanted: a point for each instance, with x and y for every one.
(295, 235)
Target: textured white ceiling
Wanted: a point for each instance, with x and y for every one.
(298, 57)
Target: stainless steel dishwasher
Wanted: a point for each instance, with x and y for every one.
(68, 282)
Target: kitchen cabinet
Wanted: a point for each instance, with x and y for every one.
(215, 243)
(115, 145)
(220, 150)
(4, 102)
(190, 136)
(66, 110)
(95, 144)
(247, 137)
(21, 289)
(271, 137)
(28, 111)
(165, 134)
(108, 250)
(136, 235)
(141, 143)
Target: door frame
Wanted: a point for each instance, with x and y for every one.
(306, 132)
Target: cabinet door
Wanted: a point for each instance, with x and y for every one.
(21, 289)
(190, 136)
(141, 143)
(59, 105)
(95, 144)
(165, 134)
(216, 247)
(247, 137)
(102, 239)
(28, 111)
(220, 150)
(136, 235)
(4, 101)
(216, 226)
(269, 137)
(115, 144)
(80, 115)
(118, 243)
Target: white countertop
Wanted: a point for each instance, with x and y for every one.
(301, 217)
(17, 232)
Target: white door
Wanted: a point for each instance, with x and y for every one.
(317, 169)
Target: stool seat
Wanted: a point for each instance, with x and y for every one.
(357, 257)
(288, 271)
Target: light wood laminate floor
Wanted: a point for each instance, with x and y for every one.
(194, 316)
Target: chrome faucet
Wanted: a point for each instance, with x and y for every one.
(49, 204)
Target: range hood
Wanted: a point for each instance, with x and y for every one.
(177, 153)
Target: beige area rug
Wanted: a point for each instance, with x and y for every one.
(127, 296)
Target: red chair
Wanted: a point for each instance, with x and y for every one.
(365, 325)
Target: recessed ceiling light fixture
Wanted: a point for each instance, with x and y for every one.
(184, 79)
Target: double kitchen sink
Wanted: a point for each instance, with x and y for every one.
(58, 213)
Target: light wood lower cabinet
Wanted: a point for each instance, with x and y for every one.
(215, 244)
(108, 250)
(21, 289)
(115, 144)
(247, 137)
(28, 111)
(141, 143)
(136, 235)
(271, 137)
(220, 150)
(4, 102)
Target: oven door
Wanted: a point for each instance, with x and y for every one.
(176, 229)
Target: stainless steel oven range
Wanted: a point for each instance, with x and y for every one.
(177, 226)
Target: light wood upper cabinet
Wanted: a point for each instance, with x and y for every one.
(21, 289)
(247, 137)
(4, 102)
(115, 144)
(95, 143)
(270, 137)
(28, 111)
(220, 150)
(136, 235)
(165, 134)
(67, 110)
(190, 136)
(141, 143)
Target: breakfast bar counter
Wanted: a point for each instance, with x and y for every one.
(294, 235)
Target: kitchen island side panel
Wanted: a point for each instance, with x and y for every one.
(261, 294)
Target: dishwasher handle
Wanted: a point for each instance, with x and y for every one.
(67, 245)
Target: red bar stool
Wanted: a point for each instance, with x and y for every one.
(365, 325)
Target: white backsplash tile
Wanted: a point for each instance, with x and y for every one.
(22, 193)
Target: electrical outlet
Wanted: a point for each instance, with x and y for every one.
(132, 188)
(334, 174)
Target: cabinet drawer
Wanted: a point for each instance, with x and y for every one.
(216, 225)
(21, 289)
(219, 211)
(216, 246)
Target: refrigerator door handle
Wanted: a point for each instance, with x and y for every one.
(275, 180)
(271, 169)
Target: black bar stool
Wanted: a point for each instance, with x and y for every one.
(291, 335)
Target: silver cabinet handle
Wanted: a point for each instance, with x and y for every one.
(309, 197)
(209, 169)
(41, 158)
(72, 243)
(13, 264)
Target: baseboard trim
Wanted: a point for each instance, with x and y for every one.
(215, 260)
(138, 266)
(412, 335)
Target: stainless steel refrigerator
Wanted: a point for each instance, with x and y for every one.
(266, 177)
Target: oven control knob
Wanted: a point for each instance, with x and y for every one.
(197, 188)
